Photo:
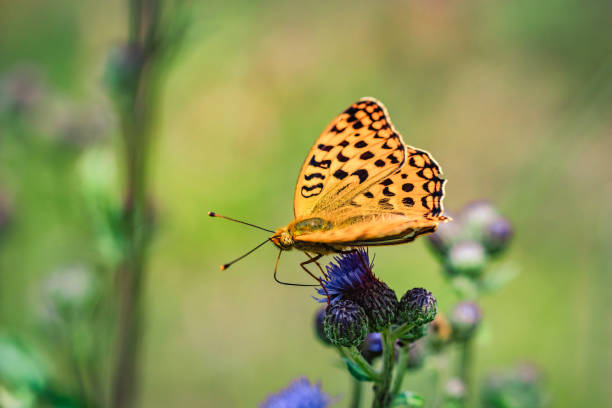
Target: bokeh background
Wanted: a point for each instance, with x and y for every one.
(512, 98)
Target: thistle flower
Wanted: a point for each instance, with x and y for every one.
(299, 394)
(455, 390)
(372, 346)
(351, 277)
(497, 235)
(465, 318)
(418, 307)
(319, 319)
(345, 323)
(466, 258)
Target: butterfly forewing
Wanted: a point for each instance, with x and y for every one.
(370, 186)
(357, 149)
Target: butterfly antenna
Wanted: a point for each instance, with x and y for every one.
(227, 265)
(214, 214)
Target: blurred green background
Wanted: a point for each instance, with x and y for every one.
(512, 98)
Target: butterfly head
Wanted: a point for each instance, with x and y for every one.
(283, 239)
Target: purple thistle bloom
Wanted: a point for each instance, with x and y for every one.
(350, 277)
(299, 394)
(348, 274)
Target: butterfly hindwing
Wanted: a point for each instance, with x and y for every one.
(357, 149)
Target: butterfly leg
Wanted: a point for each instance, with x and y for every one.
(314, 260)
(318, 264)
(285, 283)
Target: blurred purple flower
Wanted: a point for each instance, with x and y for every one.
(299, 394)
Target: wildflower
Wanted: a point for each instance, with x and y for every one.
(372, 346)
(351, 277)
(299, 394)
(497, 235)
(68, 290)
(455, 390)
(345, 323)
(465, 318)
(319, 326)
(466, 258)
(418, 307)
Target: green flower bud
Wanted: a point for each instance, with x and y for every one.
(418, 307)
(345, 323)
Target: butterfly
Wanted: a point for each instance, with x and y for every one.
(360, 185)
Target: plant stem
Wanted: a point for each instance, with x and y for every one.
(400, 371)
(136, 115)
(356, 391)
(382, 397)
(465, 367)
(355, 355)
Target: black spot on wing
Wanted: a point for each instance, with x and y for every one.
(368, 194)
(408, 202)
(343, 143)
(308, 177)
(362, 174)
(360, 144)
(357, 125)
(342, 157)
(392, 158)
(309, 191)
(340, 174)
(408, 187)
(385, 204)
(386, 182)
(379, 163)
(366, 155)
(325, 148)
(324, 164)
(388, 192)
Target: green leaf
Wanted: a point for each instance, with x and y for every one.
(408, 399)
(356, 371)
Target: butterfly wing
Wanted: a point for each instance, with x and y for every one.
(357, 149)
(397, 208)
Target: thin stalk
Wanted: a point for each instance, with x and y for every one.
(400, 371)
(382, 396)
(355, 355)
(356, 392)
(136, 115)
(466, 357)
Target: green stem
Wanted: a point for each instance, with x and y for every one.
(465, 367)
(356, 391)
(400, 371)
(382, 397)
(355, 355)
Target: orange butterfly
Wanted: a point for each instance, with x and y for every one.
(360, 185)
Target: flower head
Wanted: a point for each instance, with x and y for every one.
(418, 306)
(345, 323)
(465, 318)
(351, 277)
(299, 394)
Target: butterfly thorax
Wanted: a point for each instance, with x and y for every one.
(287, 238)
